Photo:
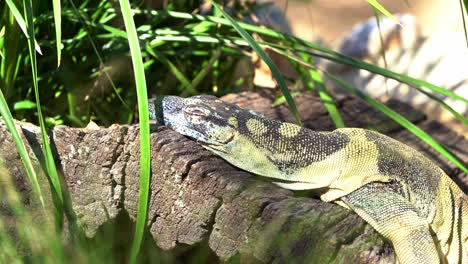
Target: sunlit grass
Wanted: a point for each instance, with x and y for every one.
(375, 4)
(274, 70)
(143, 110)
(50, 167)
(402, 121)
(464, 12)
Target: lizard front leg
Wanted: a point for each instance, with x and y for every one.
(393, 216)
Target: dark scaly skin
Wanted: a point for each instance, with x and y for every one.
(396, 189)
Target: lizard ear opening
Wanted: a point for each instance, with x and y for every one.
(226, 138)
(222, 136)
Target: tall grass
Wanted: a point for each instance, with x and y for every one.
(50, 166)
(143, 110)
(274, 70)
(464, 12)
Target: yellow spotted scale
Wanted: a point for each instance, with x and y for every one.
(402, 194)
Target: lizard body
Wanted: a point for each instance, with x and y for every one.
(402, 194)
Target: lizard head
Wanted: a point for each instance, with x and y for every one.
(206, 119)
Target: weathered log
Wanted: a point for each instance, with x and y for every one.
(198, 198)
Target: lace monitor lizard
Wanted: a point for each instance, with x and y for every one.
(402, 194)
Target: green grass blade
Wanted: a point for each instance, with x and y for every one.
(48, 156)
(390, 74)
(58, 28)
(447, 107)
(12, 56)
(430, 95)
(145, 153)
(2, 46)
(21, 148)
(464, 3)
(303, 73)
(402, 121)
(214, 60)
(18, 17)
(325, 97)
(186, 84)
(382, 10)
(21, 23)
(337, 57)
(382, 45)
(113, 30)
(275, 71)
(309, 65)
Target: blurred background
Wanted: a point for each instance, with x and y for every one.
(311, 19)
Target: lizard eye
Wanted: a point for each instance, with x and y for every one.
(197, 111)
